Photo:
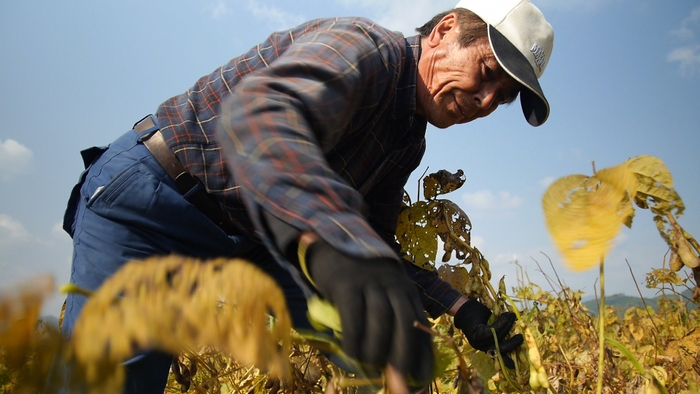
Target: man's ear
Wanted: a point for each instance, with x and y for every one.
(446, 24)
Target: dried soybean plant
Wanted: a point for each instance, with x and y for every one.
(420, 225)
(176, 303)
(584, 215)
(27, 345)
(215, 314)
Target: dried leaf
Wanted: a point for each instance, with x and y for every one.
(456, 276)
(442, 182)
(686, 350)
(655, 191)
(662, 276)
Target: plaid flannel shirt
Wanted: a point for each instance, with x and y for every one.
(317, 127)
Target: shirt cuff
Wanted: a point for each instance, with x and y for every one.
(437, 295)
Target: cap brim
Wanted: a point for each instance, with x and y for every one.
(534, 104)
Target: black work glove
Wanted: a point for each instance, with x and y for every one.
(472, 318)
(378, 305)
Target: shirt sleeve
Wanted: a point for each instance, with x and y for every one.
(278, 122)
(437, 295)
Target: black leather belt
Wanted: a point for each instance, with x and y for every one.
(185, 182)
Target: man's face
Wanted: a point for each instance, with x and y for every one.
(459, 84)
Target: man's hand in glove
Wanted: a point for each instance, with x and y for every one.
(472, 318)
(378, 305)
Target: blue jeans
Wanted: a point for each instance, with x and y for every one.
(126, 207)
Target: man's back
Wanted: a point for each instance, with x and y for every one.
(353, 85)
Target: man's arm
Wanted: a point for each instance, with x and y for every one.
(470, 316)
(279, 123)
(277, 126)
(455, 307)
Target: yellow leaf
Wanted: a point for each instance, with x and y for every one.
(430, 187)
(655, 190)
(620, 178)
(622, 184)
(649, 188)
(652, 168)
(323, 315)
(583, 214)
(582, 217)
(417, 236)
(660, 374)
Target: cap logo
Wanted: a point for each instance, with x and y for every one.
(539, 54)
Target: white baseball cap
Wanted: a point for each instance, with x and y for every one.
(522, 41)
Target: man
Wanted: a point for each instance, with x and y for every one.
(294, 155)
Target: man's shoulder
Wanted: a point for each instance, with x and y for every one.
(341, 21)
(352, 24)
(358, 33)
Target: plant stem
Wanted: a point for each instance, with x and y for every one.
(635, 363)
(601, 326)
(641, 297)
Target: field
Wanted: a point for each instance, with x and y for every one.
(214, 315)
(644, 352)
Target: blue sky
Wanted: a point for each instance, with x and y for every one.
(623, 81)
